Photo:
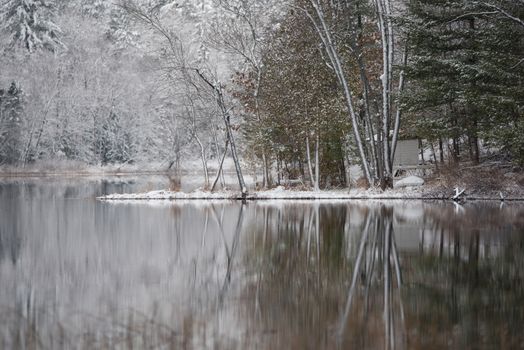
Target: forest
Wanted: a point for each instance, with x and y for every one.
(296, 89)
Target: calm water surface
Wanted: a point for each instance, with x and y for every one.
(80, 273)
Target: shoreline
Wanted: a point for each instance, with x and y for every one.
(289, 195)
(31, 174)
(248, 199)
(36, 174)
(439, 190)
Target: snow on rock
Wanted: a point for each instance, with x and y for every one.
(410, 181)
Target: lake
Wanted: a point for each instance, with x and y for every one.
(77, 273)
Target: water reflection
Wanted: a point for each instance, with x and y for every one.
(376, 261)
(415, 275)
(78, 273)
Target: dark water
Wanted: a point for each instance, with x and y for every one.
(79, 273)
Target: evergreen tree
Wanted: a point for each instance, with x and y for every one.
(29, 23)
(299, 103)
(10, 125)
(466, 76)
(113, 144)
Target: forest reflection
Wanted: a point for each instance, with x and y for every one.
(334, 276)
(76, 272)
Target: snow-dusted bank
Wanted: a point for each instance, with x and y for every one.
(276, 193)
(407, 193)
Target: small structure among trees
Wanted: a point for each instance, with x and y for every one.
(407, 157)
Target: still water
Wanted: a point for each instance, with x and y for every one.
(77, 273)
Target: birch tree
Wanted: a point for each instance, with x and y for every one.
(301, 105)
(372, 137)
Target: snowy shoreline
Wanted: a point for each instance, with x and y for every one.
(282, 194)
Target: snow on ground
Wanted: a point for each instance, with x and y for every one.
(276, 193)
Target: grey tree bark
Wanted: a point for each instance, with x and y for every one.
(330, 47)
(229, 132)
(314, 177)
(377, 151)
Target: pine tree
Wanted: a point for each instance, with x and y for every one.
(29, 23)
(466, 79)
(113, 144)
(10, 125)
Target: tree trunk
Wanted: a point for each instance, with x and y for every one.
(474, 142)
(310, 168)
(368, 124)
(456, 150)
(217, 151)
(332, 52)
(421, 147)
(234, 153)
(441, 150)
(266, 179)
(225, 115)
(278, 170)
(288, 173)
(317, 165)
(380, 145)
(347, 166)
(386, 33)
(434, 154)
(396, 128)
(219, 172)
(203, 158)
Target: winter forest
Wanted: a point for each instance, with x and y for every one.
(262, 174)
(296, 89)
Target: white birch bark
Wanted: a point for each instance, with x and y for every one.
(317, 164)
(310, 167)
(333, 55)
(385, 78)
(390, 52)
(399, 110)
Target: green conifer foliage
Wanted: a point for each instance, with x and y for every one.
(466, 72)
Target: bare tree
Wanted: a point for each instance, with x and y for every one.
(240, 33)
(179, 62)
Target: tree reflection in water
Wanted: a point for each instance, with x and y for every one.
(335, 276)
(302, 267)
(77, 273)
(376, 261)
